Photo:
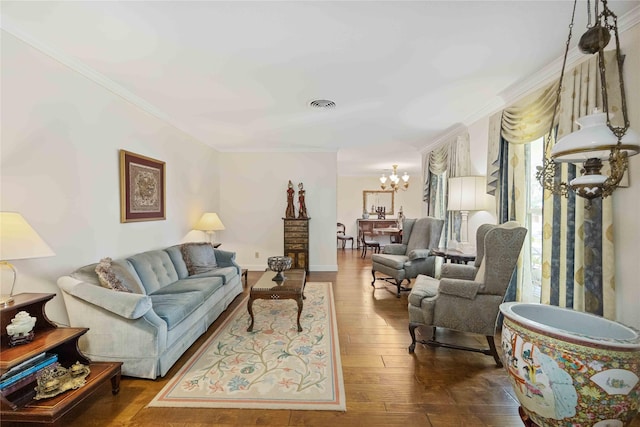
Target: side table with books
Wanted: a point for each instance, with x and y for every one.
(51, 346)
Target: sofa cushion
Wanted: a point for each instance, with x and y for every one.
(175, 253)
(205, 286)
(155, 269)
(173, 308)
(225, 273)
(199, 257)
(112, 276)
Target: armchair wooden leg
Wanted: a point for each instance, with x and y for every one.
(432, 342)
(412, 332)
(493, 351)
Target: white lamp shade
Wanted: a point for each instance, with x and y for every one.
(209, 222)
(594, 140)
(467, 193)
(18, 240)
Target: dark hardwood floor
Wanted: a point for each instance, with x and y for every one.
(385, 385)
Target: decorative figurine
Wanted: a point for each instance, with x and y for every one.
(400, 218)
(20, 330)
(291, 211)
(302, 212)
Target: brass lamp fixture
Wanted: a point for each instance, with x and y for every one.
(597, 140)
(394, 180)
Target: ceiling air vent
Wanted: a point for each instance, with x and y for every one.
(322, 103)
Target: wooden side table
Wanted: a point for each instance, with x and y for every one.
(454, 256)
(243, 276)
(19, 405)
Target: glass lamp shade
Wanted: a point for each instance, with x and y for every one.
(594, 140)
(589, 180)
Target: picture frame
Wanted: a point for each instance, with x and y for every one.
(142, 188)
(378, 198)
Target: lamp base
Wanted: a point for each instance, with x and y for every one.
(5, 300)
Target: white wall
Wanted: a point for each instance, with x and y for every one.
(350, 190)
(626, 201)
(61, 134)
(254, 194)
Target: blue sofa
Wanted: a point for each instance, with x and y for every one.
(164, 309)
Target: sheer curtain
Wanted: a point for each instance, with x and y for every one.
(447, 160)
(577, 251)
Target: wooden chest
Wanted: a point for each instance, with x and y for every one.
(296, 242)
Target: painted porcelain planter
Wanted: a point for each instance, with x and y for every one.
(570, 368)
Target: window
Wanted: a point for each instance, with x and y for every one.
(533, 154)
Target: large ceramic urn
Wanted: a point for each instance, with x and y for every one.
(570, 368)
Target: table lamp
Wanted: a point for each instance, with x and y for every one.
(466, 193)
(18, 240)
(209, 223)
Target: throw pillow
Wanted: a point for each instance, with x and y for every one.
(113, 277)
(199, 257)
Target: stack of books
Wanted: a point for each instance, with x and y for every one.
(25, 373)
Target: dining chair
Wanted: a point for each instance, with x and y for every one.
(366, 241)
(342, 236)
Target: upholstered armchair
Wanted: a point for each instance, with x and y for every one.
(404, 261)
(467, 297)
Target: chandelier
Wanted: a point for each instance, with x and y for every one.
(394, 180)
(597, 140)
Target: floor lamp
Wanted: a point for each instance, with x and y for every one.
(19, 241)
(210, 223)
(466, 193)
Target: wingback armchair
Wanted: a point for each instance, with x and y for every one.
(467, 297)
(404, 261)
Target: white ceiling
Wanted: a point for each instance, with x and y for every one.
(239, 75)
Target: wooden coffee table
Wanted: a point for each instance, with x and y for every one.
(291, 288)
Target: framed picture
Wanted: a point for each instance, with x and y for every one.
(142, 188)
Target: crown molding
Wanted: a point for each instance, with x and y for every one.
(551, 72)
(497, 103)
(543, 77)
(450, 133)
(78, 66)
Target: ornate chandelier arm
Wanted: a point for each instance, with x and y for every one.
(546, 175)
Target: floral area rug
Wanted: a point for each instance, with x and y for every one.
(273, 367)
